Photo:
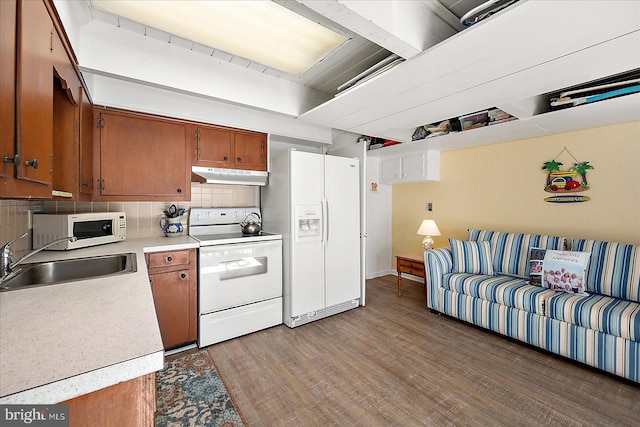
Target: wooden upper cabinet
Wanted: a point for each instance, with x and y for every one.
(219, 147)
(142, 157)
(26, 97)
(250, 151)
(8, 23)
(40, 95)
(34, 94)
(214, 147)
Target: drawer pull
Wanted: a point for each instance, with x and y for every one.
(183, 276)
(169, 259)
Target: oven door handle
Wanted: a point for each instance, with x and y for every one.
(243, 267)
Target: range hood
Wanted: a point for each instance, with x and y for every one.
(230, 176)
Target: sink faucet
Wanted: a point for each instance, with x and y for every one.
(6, 254)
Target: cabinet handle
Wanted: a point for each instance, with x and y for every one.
(226, 158)
(33, 163)
(179, 190)
(239, 159)
(169, 259)
(183, 276)
(15, 160)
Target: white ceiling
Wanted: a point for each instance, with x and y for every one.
(352, 58)
(531, 48)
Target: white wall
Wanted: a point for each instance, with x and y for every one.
(378, 259)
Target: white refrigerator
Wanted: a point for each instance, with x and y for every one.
(313, 200)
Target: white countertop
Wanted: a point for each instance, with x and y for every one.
(61, 341)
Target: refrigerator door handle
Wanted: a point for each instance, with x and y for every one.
(326, 202)
(323, 205)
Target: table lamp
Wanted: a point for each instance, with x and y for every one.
(427, 229)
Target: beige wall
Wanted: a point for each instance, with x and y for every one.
(500, 187)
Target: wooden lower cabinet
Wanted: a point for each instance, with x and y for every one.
(173, 278)
(129, 403)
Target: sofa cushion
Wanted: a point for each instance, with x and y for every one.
(510, 251)
(506, 290)
(598, 312)
(471, 257)
(614, 268)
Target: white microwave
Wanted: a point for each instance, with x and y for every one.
(89, 229)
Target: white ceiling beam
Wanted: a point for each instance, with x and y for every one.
(405, 28)
(444, 13)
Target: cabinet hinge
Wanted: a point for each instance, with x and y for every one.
(197, 136)
(101, 184)
(51, 41)
(100, 122)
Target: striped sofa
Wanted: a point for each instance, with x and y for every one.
(483, 281)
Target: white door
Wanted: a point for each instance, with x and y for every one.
(342, 225)
(304, 292)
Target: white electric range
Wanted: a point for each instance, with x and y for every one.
(239, 276)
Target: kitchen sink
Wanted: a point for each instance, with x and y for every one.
(54, 272)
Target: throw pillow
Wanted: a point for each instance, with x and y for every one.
(473, 257)
(565, 271)
(536, 262)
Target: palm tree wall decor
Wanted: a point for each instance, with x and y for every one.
(565, 181)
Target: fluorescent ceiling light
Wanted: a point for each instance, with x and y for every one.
(260, 31)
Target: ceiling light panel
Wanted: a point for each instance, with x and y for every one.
(261, 31)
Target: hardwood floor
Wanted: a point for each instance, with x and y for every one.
(393, 363)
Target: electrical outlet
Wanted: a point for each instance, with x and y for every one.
(430, 207)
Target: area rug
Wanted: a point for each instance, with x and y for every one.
(191, 393)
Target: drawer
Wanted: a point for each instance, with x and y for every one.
(168, 259)
(406, 264)
(415, 271)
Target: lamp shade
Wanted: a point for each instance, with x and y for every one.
(428, 228)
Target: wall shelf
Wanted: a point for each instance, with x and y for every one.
(617, 110)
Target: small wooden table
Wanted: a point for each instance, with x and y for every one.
(410, 263)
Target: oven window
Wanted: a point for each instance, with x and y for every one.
(90, 229)
(249, 266)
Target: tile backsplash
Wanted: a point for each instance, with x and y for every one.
(142, 217)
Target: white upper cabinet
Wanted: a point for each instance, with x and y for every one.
(410, 168)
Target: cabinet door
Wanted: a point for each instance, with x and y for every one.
(214, 147)
(86, 144)
(413, 168)
(8, 17)
(250, 151)
(390, 170)
(142, 158)
(174, 297)
(34, 88)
